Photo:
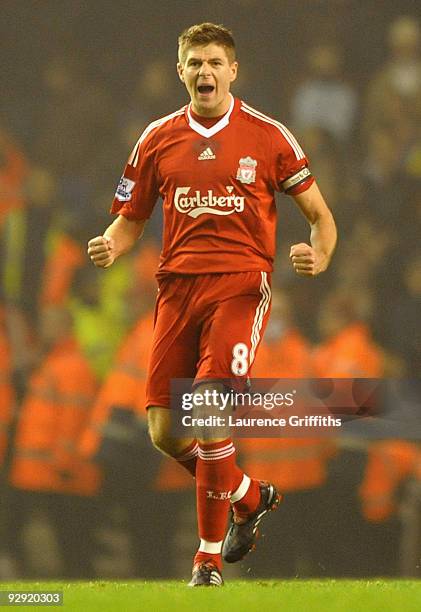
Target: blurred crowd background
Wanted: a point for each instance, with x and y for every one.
(83, 494)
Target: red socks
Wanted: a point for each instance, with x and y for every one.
(188, 458)
(214, 477)
(218, 481)
(246, 494)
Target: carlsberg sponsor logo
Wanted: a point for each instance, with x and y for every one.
(198, 204)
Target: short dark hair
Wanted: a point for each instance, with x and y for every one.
(205, 34)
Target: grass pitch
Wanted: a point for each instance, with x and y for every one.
(250, 596)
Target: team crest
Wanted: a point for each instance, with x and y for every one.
(246, 172)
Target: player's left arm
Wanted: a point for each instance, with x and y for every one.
(311, 260)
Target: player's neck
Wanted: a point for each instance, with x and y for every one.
(212, 113)
(205, 120)
(207, 113)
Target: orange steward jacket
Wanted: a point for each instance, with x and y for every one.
(123, 388)
(53, 415)
(60, 268)
(389, 463)
(350, 353)
(292, 464)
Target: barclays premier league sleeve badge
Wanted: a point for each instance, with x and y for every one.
(246, 172)
(124, 189)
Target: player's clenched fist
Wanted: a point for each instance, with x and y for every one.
(304, 260)
(101, 251)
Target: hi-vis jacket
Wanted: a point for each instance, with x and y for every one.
(123, 389)
(7, 396)
(350, 353)
(66, 257)
(53, 415)
(293, 463)
(390, 462)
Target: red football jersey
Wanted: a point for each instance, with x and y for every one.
(217, 186)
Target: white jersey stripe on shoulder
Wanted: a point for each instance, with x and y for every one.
(281, 125)
(293, 139)
(299, 153)
(152, 126)
(134, 156)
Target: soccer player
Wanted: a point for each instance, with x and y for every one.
(216, 163)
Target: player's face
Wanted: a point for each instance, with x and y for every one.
(207, 74)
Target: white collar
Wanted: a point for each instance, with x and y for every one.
(208, 132)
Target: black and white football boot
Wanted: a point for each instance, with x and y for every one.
(241, 538)
(206, 574)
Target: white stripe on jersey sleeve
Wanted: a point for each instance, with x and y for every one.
(134, 155)
(298, 152)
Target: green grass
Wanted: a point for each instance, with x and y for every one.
(250, 596)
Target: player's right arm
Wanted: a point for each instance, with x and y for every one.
(117, 239)
(133, 202)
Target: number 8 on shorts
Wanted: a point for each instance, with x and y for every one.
(239, 363)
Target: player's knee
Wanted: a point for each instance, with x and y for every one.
(158, 427)
(211, 412)
(159, 422)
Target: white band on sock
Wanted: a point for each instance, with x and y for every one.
(212, 548)
(217, 453)
(242, 489)
(186, 456)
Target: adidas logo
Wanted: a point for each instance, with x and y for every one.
(207, 154)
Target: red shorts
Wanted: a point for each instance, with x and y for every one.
(207, 326)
